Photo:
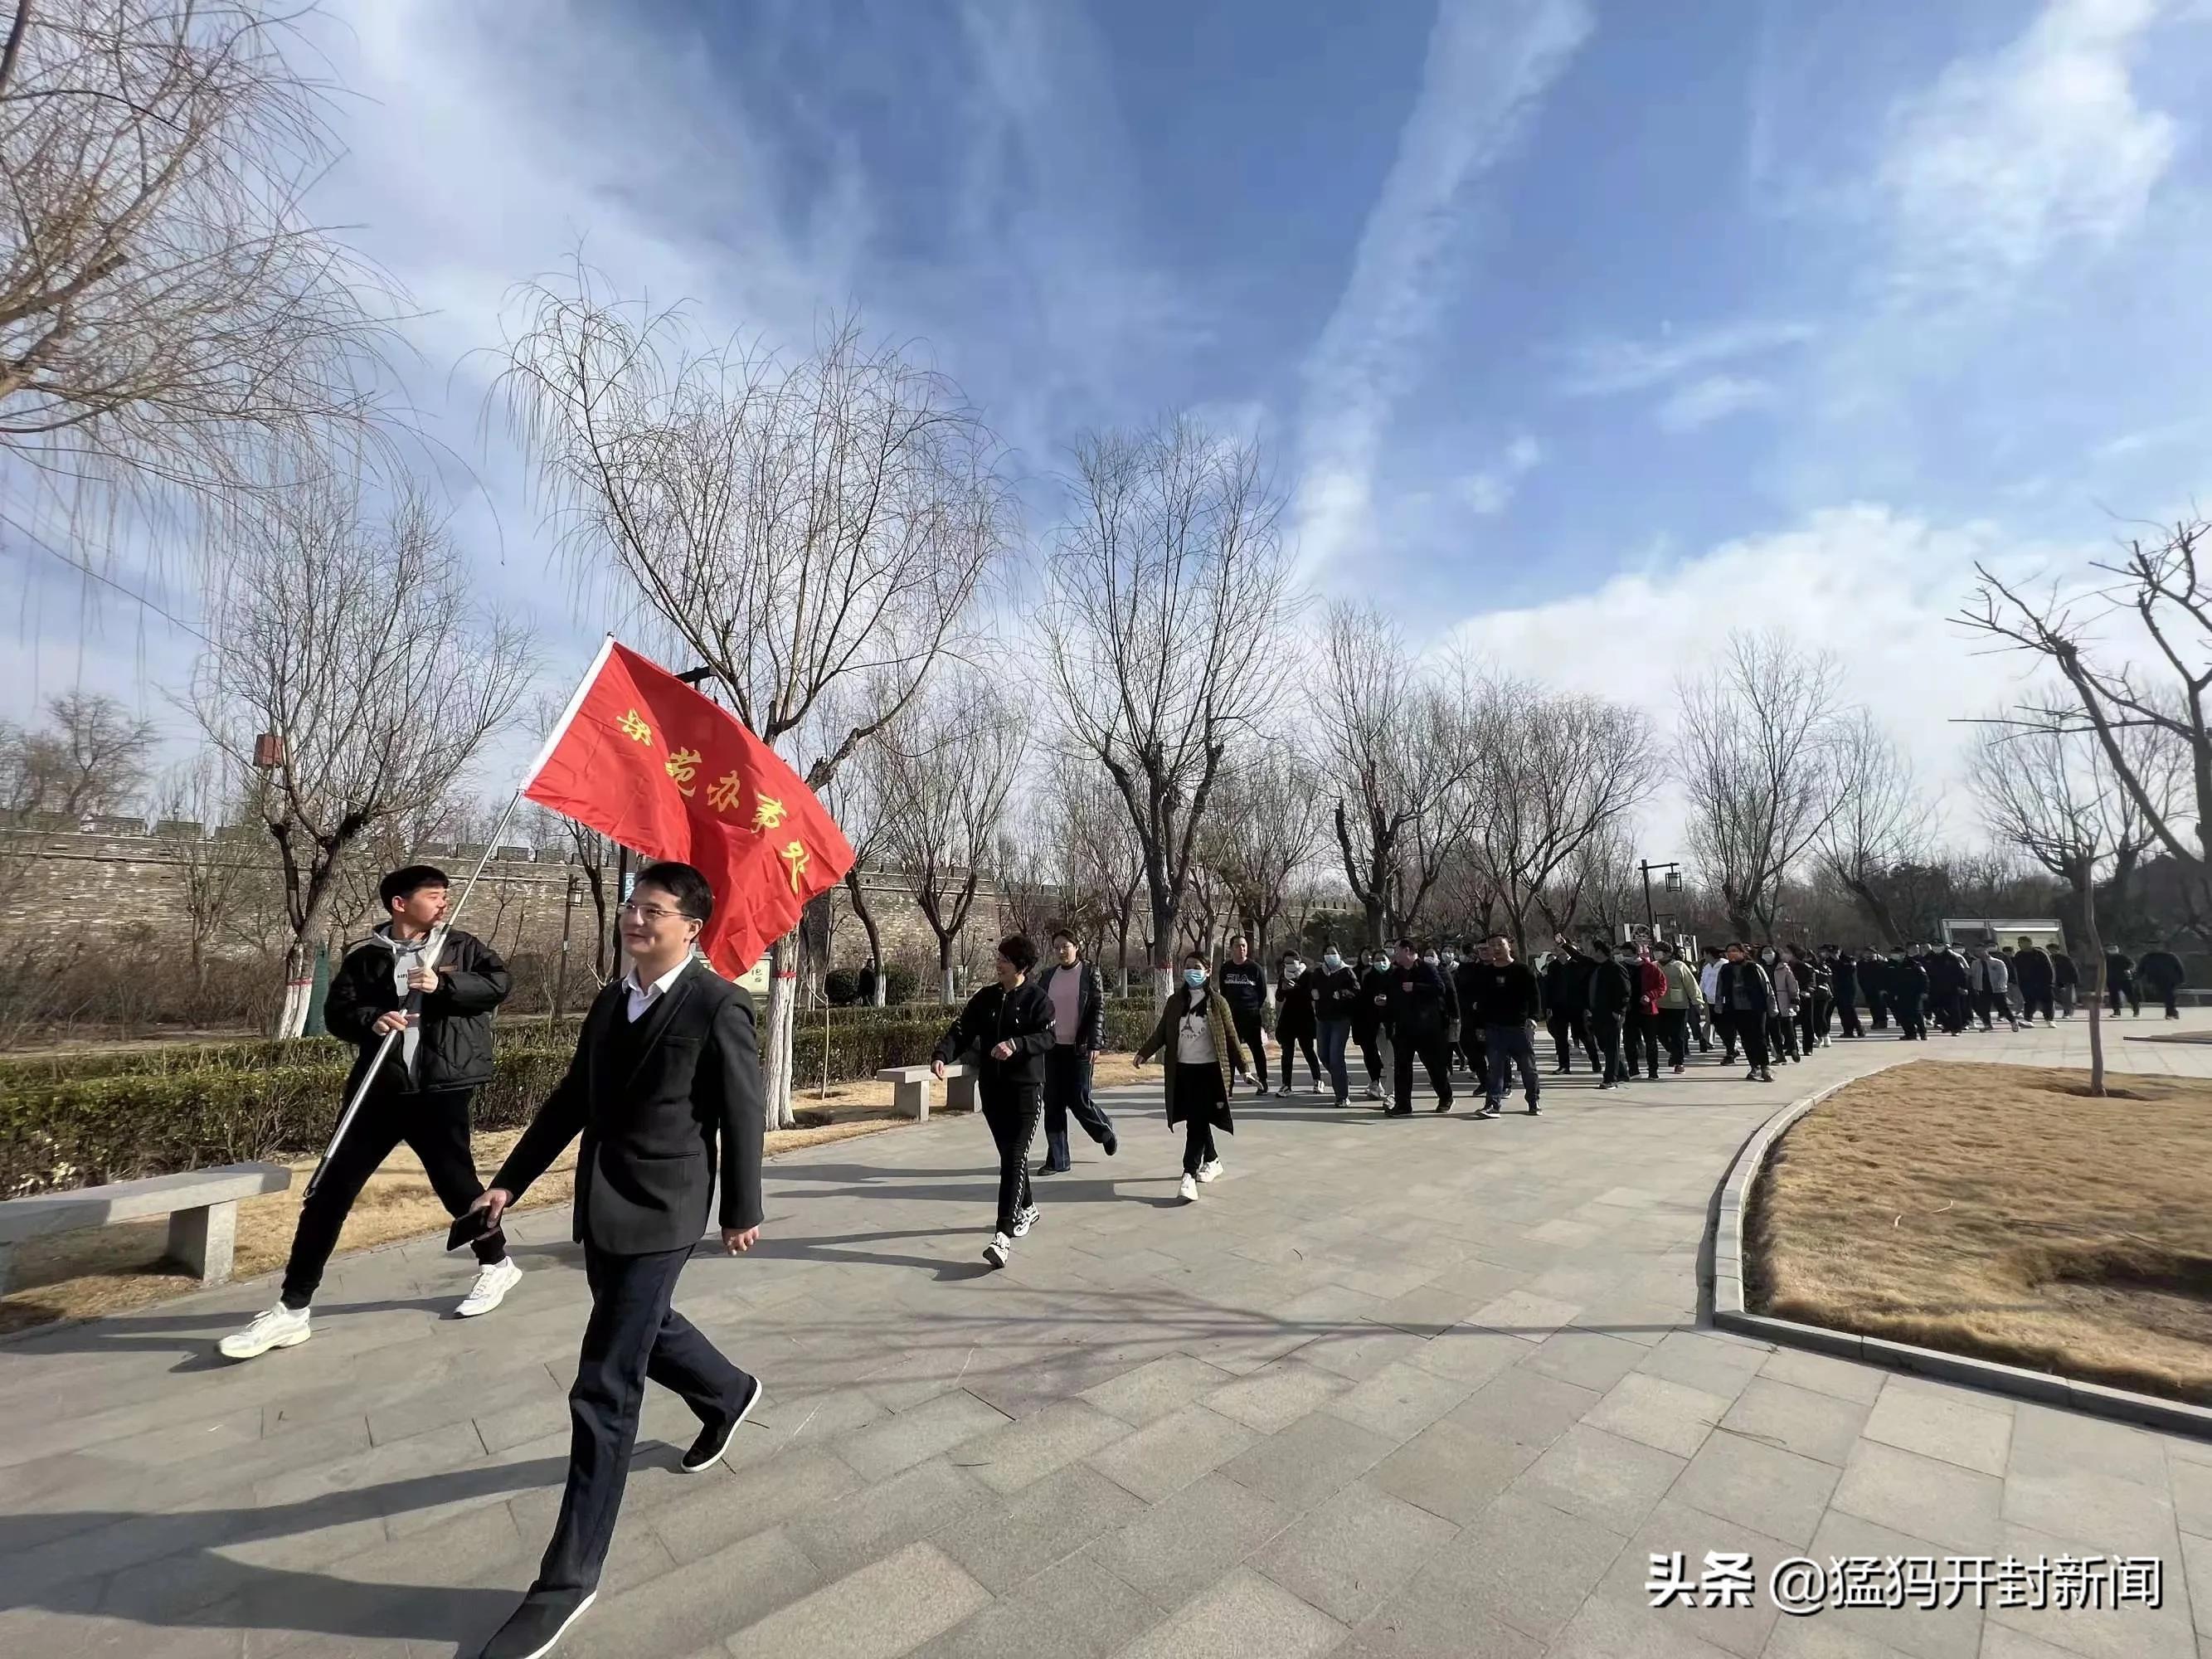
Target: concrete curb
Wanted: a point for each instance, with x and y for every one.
(1729, 1313)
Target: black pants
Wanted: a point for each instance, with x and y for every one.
(434, 1124)
(1068, 1090)
(1570, 1031)
(1752, 1028)
(1724, 1024)
(1911, 1019)
(2123, 987)
(1979, 1001)
(2032, 1000)
(1605, 1033)
(633, 1334)
(2165, 994)
(1848, 1008)
(1810, 1029)
(1253, 1034)
(1640, 1036)
(1434, 1053)
(1878, 1010)
(1504, 1047)
(1782, 1036)
(1370, 1044)
(1198, 1092)
(1011, 1110)
(1674, 1032)
(1289, 1046)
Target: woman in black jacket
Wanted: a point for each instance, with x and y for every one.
(1004, 1032)
(1367, 1018)
(1336, 1016)
(1295, 1022)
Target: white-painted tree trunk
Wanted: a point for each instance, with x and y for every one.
(775, 1037)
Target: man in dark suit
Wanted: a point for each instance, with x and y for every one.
(665, 1090)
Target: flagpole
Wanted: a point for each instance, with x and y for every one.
(413, 1006)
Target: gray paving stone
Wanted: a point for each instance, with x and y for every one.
(2196, 1574)
(1525, 1314)
(1399, 1401)
(1167, 1454)
(1276, 1395)
(878, 1613)
(937, 1424)
(1183, 1544)
(1076, 1609)
(1360, 1353)
(1953, 1426)
(1706, 1361)
(1004, 1545)
(1242, 1614)
(1758, 1485)
(1925, 1497)
(1426, 1310)
(1826, 1374)
(1525, 1406)
(1818, 1638)
(1011, 1455)
(1653, 1411)
(2079, 1505)
(1306, 1462)
(1452, 1473)
(1469, 1353)
(2192, 1486)
(1348, 1553)
(872, 1522)
(1623, 1597)
(737, 1505)
(1520, 1562)
(2132, 1632)
(1938, 1632)
(1812, 1425)
(696, 1606)
(1586, 1359)
(1145, 1392)
(1600, 1477)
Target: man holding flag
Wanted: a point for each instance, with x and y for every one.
(664, 1089)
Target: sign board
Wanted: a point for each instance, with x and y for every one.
(754, 978)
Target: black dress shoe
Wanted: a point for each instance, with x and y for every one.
(714, 1438)
(1054, 1168)
(1111, 1145)
(535, 1628)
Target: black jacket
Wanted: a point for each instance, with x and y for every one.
(1372, 1009)
(1611, 989)
(1846, 973)
(1745, 988)
(2032, 967)
(1294, 1007)
(1494, 996)
(662, 1107)
(454, 1048)
(994, 1015)
(2161, 970)
(1089, 1003)
(1947, 971)
(1567, 985)
(2119, 970)
(1243, 987)
(1420, 1003)
(1335, 993)
(2063, 974)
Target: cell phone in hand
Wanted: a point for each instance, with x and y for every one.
(467, 1229)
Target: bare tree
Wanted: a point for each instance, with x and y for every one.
(1104, 861)
(1758, 759)
(169, 313)
(1167, 582)
(803, 527)
(1882, 822)
(854, 797)
(2047, 787)
(1265, 830)
(1397, 754)
(2160, 586)
(191, 801)
(948, 763)
(355, 643)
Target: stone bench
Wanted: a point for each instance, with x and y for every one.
(202, 1206)
(911, 1098)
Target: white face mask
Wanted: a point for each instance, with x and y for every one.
(1332, 961)
(1293, 970)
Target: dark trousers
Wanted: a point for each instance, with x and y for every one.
(1724, 1023)
(1504, 1047)
(1950, 1011)
(1011, 1110)
(1334, 1033)
(1253, 1034)
(1570, 1031)
(1640, 1036)
(1675, 1033)
(1752, 1028)
(1198, 1091)
(633, 1334)
(1878, 1010)
(1605, 1033)
(434, 1124)
(1289, 1047)
(1810, 1029)
(1912, 1018)
(1980, 1002)
(1782, 1036)
(1848, 1007)
(1370, 1056)
(2032, 1000)
(2123, 987)
(1433, 1052)
(1068, 1090)
(2165, 993)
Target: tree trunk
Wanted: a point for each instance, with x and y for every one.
(1163, 924)
(299, 959)
(944, 991)
(776, 1043)
(2095, 981)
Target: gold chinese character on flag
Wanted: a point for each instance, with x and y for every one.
(768, 814)
(683, 766)
(633, 725)
(795, 856)
(723, 794)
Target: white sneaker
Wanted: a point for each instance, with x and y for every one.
(1000, 1250)
(493, 1282)
(279, 1327)
(1024, 1220)
(1210, 1170)
(1189, 1190)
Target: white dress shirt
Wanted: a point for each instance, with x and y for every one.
(643, 996)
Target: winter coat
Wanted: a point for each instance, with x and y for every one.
(1335, 993)
(2161, 970)
(1785, 990)
(1745, 988)
(453, 1050)
(994, 1015)
(1089, 1002)
(1245, 986)
(1611, 987)
(1990, 975)
(2119, 970)
(2032, 967)
(1294, 1007)
(1908, 980)
(2063, 974)
(1565, 986)
(1846, 978)
(1681, 990)
(1493, 997)
(1229, 1053)
(1421, 1006)
(1367, 1008)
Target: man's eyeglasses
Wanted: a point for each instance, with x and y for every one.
(652, 912)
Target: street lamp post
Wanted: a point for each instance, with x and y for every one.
(1673, 884)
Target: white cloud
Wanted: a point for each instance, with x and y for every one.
(1488, 63)
(1604, 368)
(2008, 156)
(1714, 398)
(1490, 490)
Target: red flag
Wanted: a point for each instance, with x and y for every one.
(649, 762)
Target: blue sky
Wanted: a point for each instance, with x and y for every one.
(1578, 329)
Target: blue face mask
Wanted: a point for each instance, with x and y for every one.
(1194, 977)
(1332, 960)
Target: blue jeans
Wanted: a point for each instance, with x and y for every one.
(1334, 1034)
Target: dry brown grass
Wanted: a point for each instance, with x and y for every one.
(1999, 1210)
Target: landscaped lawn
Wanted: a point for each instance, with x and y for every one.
(1998, 1211)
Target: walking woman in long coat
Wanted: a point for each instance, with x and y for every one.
(1196, 1025)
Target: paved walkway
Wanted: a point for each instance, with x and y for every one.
(1433, 1387)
